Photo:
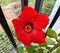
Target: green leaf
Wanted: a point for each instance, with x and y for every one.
(31, 49)
(49, 52)
(40, 50)
(21, 49)
(44, 45)
(58, 50)
(50, 41)
(59, 34)
(51, 33)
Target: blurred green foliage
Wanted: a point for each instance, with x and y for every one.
(6, 2)
(48, 6)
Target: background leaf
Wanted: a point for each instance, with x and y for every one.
(40, 50)
(21, 49)
(50, 41)
(49, 52)
(51, 33)
(31, 49)
(44, 45)
(58, 50)
(59, 34)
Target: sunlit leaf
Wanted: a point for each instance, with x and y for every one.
(51, 33)
(50, 41)
(44, 45)
(58, 50)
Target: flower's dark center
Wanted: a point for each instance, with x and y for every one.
(28, 28)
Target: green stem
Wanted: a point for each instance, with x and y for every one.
(55, 46)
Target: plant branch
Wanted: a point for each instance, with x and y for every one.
(55, 46)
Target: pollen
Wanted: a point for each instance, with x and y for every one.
(28, 28)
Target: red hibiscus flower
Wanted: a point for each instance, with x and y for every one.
(29, 26)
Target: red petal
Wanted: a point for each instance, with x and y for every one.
(38, 37)
(41, 21)
(44, 42)
(25, 38)
(18, 25)
(28, 14)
